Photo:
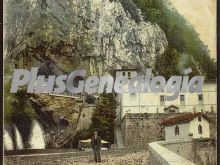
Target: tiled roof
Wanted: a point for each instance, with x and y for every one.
(183, 118)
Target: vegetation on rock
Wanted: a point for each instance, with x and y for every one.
(185, 47)
(65, 38)
(18, 110)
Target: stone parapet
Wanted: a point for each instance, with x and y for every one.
(160, 155)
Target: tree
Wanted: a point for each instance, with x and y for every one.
(104, 117)
(102, 120)
(18, 110)
(167, 63)
(181, 36)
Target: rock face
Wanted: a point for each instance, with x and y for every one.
(118, 39)
(64, 35)
(104, 33)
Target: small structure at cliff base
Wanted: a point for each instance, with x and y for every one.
(187, 126)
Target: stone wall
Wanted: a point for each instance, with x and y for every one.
(204, 151)
(141, 129)
(159, 155)
(200, 151)
(182, 148)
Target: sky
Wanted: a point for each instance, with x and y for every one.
(201, 14)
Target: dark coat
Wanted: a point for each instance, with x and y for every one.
(99, 143)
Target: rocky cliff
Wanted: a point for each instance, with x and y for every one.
(101, 35)
(117, 38)
(62, 35)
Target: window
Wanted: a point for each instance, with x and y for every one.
(182, 99)
(161, 100)
(200, 98)
(177, 131)
(200, 129)
(132, 94)
(199, 118)
(123, 73)
(129, 75)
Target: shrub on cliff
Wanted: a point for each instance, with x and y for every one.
(18, 110)
(181, 37)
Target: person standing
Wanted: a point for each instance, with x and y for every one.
(96, 146)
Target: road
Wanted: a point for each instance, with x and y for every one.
(138, 158)
(113, 157)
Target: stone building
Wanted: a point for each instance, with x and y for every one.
(187, 127)
(139, 129)
(129, 73)
(155, 102)
(140, 115)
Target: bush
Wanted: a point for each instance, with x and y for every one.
(181, 36)
(102, 120)
(18, 110)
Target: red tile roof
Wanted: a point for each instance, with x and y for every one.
(183, 118)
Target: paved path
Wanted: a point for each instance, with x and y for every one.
(139, 158)
(117, 157)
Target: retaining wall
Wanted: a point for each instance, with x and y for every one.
(160, 155)
(197, 151)
(141, 129)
